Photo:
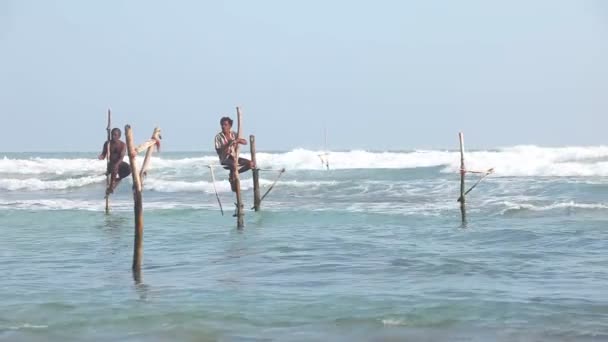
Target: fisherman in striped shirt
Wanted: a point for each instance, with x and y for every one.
(225, 145)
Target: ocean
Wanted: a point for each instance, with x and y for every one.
(370, 250)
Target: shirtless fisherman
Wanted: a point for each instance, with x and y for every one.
(117, 168)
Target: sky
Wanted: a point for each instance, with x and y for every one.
(378, 75)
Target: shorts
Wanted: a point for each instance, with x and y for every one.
(124, 169)
(243, 164)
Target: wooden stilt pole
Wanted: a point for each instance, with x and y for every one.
(239, 199)
(137, 202)
(109, 175)
(137, 276)
(255, 175)
(462, 184)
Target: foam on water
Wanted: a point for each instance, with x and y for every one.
(161, 185)
(511, 206)
(95, 205)
(384, 183)
(510, 161)
(372, 249)
(56, 166)
(28, 326)
(34, 184)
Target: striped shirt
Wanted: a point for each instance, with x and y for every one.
(220, 145)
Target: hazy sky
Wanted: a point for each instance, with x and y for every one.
(378, 74)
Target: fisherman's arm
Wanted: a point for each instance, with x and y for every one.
(241, 141)
(104, 150)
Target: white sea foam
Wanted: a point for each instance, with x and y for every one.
(28, 326)
(511, 161)
(33, 184)
(161, 185)
(389, 208)
(394, 322)
(55, 166)
(512, 206)
(222, 185)
(151, 183)
(117, 205)
(540, 161)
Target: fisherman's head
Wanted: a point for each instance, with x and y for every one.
(226, 124)
(116, 134)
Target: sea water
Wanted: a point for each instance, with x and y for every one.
(370, 250)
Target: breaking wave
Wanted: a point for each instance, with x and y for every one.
(35, 184)
(192, 173)
(571, 205)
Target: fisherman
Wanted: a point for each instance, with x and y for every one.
(117, 168)
(225, 146)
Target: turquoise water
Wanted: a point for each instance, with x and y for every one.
(371, 250)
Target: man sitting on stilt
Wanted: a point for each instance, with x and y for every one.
(117, 168)
(225, 146)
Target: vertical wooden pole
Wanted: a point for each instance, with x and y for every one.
(109, 175)
(255, 175)
(137, 202)
(239, 199)
(462, 176)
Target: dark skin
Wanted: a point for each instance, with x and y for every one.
(226, 129)
(117, 154)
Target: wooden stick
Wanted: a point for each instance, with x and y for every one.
(144, 167)
(239, 200)
(108, 175)
(256, 175)
(273, 184)
(215, 189)
(476, 183)
(486, 174)
(462, 184)
(146, 145)
(137, 202)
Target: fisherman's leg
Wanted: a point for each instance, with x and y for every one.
(124, 170)
(232, 167)
(109, 174)
(113, 182)
(245, 165)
